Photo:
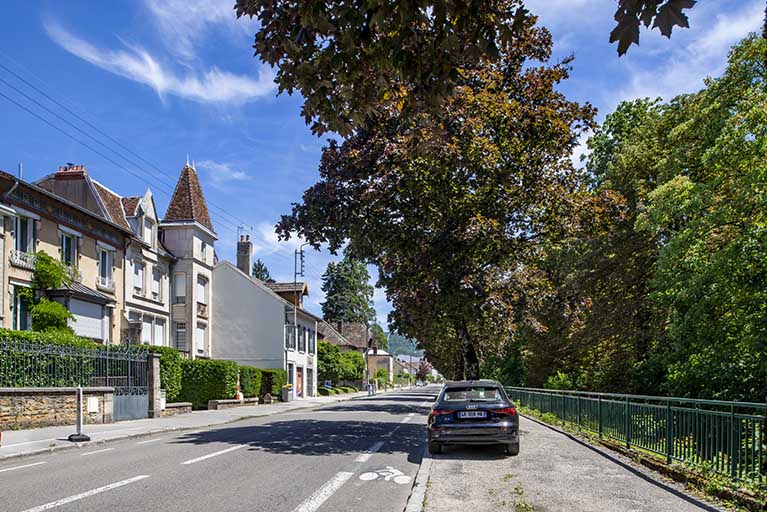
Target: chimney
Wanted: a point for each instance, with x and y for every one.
(244, 254)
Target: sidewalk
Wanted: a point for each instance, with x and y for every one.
(18, 443)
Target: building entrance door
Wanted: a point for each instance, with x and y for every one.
(299, 382)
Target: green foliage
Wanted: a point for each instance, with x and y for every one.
(261, 272)
(400, 345)
(662, 14)
(250, 381)
(170, 371)
(22, 368)
(207, 379)
(559, 380)
(382, 374)
(424, 370)
(323, 391)
(48, 315)
(272, 381)
(380, 339)
(49, 272)
(352, 366)
(348, 294)
(328, 361)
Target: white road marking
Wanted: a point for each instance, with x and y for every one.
(364, 457)
(151, 440)
(426, 404)
(214, 454)
(85, 494)
(24, 466)
(406, 419)
(321, 495)
(97, 451)
(411, 414)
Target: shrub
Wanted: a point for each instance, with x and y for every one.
(272, 381)
(170, 371)
(352, 365)
(250, 381)
(49, 315)
(325, 391)
(559, 380)
(329, 366)
(207, 379)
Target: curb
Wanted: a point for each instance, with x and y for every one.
(164, 430)
(416, 500)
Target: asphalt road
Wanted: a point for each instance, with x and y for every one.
(356, 455)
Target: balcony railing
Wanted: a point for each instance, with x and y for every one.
(202, 310)
(105, 283)
(23, 259)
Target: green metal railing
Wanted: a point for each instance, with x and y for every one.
(727, 437)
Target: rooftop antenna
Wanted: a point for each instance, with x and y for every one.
(187, 159)
(21, 170)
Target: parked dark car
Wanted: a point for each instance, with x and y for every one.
(473, 412)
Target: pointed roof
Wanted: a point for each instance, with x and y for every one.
(130, 204)
(188, 201)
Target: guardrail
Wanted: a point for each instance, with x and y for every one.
(725, 437)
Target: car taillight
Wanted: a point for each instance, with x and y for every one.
(440, 412)
(507, 410)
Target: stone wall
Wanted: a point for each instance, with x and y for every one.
(176, 408)
(22, 408)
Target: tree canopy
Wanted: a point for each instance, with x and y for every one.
(261, 272)
(348, 292)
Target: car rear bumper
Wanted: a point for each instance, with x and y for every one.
(474, 435)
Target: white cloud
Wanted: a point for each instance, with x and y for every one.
(183, 23)
(137, 64)
(265, 241)
(222, 175)
(691, 55)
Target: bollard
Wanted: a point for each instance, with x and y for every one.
(78, 436)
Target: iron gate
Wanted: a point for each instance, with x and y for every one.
(126, 369)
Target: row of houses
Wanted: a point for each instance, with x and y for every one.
(139, 277)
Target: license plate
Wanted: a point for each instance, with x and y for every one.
(472, 414)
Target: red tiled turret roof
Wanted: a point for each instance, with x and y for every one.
(188, 201)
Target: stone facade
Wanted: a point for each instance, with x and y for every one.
(22, 408)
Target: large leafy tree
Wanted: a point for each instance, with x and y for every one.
(348, 293)
(449, 224)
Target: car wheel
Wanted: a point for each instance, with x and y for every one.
(513, 449)
(435, 448)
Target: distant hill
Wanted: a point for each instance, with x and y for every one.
(399, 345)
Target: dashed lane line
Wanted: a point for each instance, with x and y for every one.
(364, 457)
(97, 451)
(214, 454)
(24, 466)
(151, 440)
(321, 495)
(76, 497)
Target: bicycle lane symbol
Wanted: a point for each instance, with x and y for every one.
(389, 474)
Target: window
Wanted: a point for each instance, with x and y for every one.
(199, 338)
(68, 249)
(148, 230)
(290, 337)
(473, 393)
(146, 330)
(312, 342)
(24, 236)
(138, 278)
(159, 332)
(181, 335)
(204, 251)
(179, 289)
(302, 339)
(202, 290)
(105, 268)
(157, 284)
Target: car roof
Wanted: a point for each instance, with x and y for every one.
(464, 383)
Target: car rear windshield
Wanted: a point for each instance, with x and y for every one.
(480, 393)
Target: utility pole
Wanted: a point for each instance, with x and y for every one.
(296, 272)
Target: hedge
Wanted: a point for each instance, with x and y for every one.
(250, 381)
(170, 371)
(272, 381)
(47, 338)
(207, 379)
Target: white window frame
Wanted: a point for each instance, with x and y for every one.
(199, 344)
(30, 233)
(139, 278)
(179, 291)
(105, 264)
(159, 332)
(157, 280)
(202, 282)
(73, 241)
(180, 327)
(147, 225)
(147, 320)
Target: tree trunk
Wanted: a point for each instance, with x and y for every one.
(469, 359)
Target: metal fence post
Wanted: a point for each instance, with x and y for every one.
(599, 415)
(733, 461)
(669, 433)
(78, 436)
(627, 412)
(578, 398)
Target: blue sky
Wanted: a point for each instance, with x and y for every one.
(167, 79)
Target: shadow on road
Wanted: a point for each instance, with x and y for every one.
(459, 452)
(318, 437)
(391, 408)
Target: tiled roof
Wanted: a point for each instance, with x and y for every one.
(355, 332)
(299, 287)
(329, 334)
(130, 204)
(112, 204)
(188, 201)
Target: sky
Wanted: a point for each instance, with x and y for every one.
(133, 88)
